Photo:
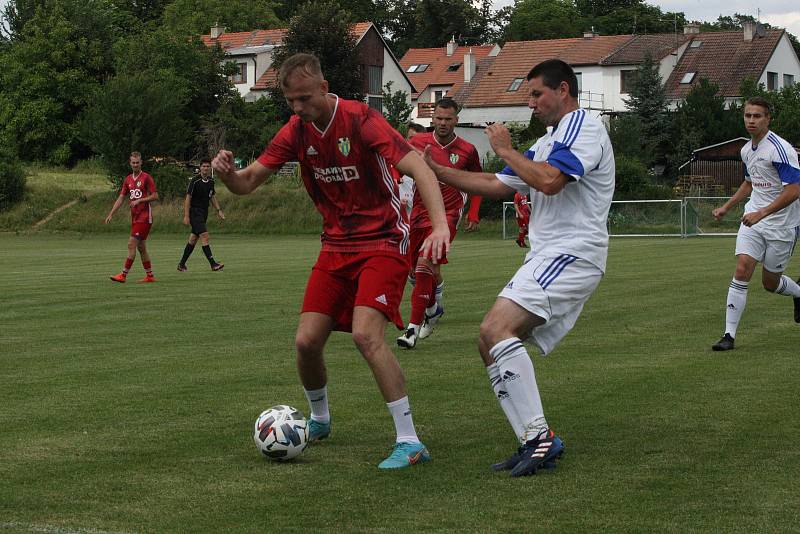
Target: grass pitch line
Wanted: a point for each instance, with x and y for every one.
(54, 213)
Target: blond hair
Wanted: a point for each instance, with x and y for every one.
(307, 64)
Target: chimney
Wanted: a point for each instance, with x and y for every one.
(691, 28)
(749, 29)
(469, 66)
(451, 47)
(217, 30)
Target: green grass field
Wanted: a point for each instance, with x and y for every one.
(129, 408)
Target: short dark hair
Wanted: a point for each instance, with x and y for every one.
(307, 63)
(416, 127)
(553, 72)
(205, 160)
(760, 101)
(447, 102)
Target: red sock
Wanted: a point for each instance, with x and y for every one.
(147, 267)
(423, 292)
(128, 265)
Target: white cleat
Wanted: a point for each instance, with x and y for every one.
(408, 340)
(430, 322)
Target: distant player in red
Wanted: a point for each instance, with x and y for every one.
(140, 190)
(345, 150)
(450, 150)
(522, 209)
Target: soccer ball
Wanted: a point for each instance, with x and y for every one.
(281, 433)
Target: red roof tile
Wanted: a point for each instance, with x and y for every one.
(518, 57)
(438, 62)
(725, 58)
(633, 52)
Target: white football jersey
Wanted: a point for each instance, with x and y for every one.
(574, 220)
(768, 167)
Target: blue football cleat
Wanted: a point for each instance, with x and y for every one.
(541, 452)
(405, 455)
(317, 430)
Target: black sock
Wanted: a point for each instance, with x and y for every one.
(207, 252)
(187, 251)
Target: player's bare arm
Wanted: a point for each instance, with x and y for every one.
(215, 203)
(475, 183)
(538, 174)
(437, 243)
(240, 182)
(742, 193)
(152, 197)
(186, 203)
(790, 193)
(114, 208)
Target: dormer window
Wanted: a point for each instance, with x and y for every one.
(418, 68)
(688, 77)
(515, 84)
(453, 67)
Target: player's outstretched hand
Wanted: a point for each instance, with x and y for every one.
(499, 137)
(186, 221)
(719, 213)
(108, 219)
(436, 245)
(220, 214)
(428, 157)
(223, 162)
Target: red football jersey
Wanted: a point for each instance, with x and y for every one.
(458, 154)
(345, 170)
(140, 186)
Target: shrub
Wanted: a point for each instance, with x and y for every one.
(171, 180)
(12, 178)
(633, 182)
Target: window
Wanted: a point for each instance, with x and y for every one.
(515, 83)
(374, 80)
(418, 68)
(788, 80)
(688, 77)
(240, 75)
(375, 102)
(453, 67)
(772, 81)
(625, 80)
(696, 44)
(438, 95)
(579, 76)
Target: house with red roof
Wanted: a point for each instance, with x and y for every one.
(252, 53)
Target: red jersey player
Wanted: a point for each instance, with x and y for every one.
(140, 189)
(345, 149)
(450, 150)
(522, 209)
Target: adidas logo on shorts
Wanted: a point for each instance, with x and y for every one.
(382, 300)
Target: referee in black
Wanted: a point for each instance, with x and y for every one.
(195, 213)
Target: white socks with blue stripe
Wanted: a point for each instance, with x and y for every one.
(737, 298)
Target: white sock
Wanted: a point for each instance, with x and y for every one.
(430, 311)
(505, 401)
(789, 287)
(438, 293)
(318, 402)
(403, 423)
(414, 326)
(737, 298)
(516, 370)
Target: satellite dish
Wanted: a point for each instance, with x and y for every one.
(761, 31)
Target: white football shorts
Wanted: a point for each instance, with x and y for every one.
(555, 287)
(771, 246)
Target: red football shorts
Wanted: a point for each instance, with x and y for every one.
(418, 236)
(340, 281)
(140, 230)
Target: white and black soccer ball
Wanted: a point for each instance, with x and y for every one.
(281, 433)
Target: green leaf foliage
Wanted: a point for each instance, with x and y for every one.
(136, 112)
(397, 108)
(245, 128)
(195, 17)
(12, 177)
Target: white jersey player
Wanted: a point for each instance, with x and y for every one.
(569, 174)
(771, 218)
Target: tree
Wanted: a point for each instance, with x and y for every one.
(195, 17)
(647, 102)
(138, 111)
(323, 29)
(48, 74)
(543, 19)
(397, 107)
(619, 17)
(245, 128)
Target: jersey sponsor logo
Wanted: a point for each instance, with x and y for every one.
(344, 145)
(135, 193)
(453, 159)
(336, 174)
(311, 151)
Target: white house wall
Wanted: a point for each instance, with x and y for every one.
(392, 73)
(783, 61)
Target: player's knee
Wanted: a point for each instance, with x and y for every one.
(308, 345)
(490, 332)
(366, 341)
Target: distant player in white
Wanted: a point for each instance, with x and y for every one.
(771, 218)
(569, 174)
